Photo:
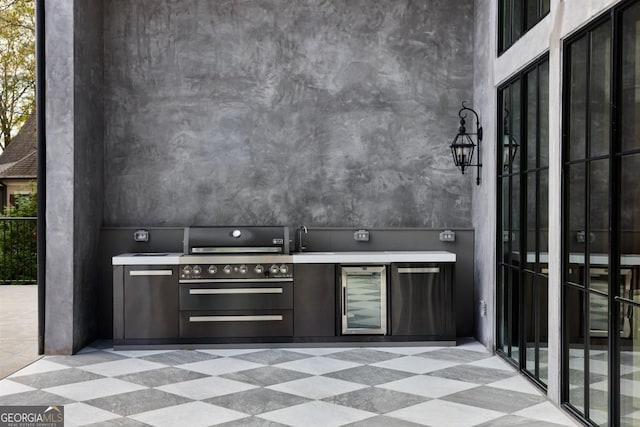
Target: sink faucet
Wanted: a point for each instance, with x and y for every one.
(302, 229)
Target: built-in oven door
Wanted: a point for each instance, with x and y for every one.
(364, 300)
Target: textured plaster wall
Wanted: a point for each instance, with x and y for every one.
(74, 167)
(327, 113)
(484, 196)
(89, 160)
(60, 177)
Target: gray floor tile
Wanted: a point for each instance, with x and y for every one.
(160, 377)
(265, 376)
(495, 399)
(455, 355)
(473, 374)
(37, 397)
(257, 401)
(56, 378)
(272, 357)
(382, 421)
(119, 422)
(250, 422)
(364, 356)
(369, 375)
(136, 402)
(86, 358)
(179, 357)
(513, 420)
(376, 400)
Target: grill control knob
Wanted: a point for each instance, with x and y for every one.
(186, 270)
(243, 269)
(212, 269)
(284, 269)
(227, 269)
(196, 270)
(259, 269)
(274, 269)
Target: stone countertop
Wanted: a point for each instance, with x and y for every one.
(371, 257)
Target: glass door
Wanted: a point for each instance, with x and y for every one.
(364, 300)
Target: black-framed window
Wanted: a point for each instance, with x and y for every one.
(516, 17)
(601, 219)
(523, 182)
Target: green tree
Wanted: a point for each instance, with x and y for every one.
(19, 242)
(17, 66)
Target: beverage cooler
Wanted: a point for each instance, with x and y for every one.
(363, 300)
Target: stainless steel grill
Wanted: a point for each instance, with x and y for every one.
(236, 282)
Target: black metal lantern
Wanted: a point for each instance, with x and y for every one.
(462, 147)
(509, 144)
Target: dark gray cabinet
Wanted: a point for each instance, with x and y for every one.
(314, 300)
(422, 300)
(151, 298)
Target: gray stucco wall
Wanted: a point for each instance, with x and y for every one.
(328, 113)
(74, 167)
(60, 177)
(88, 159)
(484, 196)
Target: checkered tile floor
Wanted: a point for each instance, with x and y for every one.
(400, 386)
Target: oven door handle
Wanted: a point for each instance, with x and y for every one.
(236, 291)
(418, 270)
(263, 318)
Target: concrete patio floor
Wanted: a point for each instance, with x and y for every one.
(18, 327)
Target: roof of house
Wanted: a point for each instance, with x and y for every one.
(19, 159)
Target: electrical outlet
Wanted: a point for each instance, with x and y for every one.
(448, 236)
(141, 235)
(483, 308)
(361, 236)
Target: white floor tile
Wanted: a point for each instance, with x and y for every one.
(318, 351)
(317, 387)
(438, 413)
(204, 388)
(225, 365)
(230, 352)
(494, 362)
(137, 353)
(317, 414)
(93, 389)
(12, 387)
(473, 346)
(428, 386)
(317, 365)
(80, 414)
(121, 367)
(408, 351)
(546, 412)
(415, 365)
(39, 367)
(193, 414)
(516, 383)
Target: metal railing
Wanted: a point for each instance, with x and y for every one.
(18, 250)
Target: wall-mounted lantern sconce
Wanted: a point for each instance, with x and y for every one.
(463, 146)
(509, 144)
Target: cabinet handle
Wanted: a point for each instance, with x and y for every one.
(414, 270)
(265, 318)
(344, 300)
(150, 273)
(235, 291)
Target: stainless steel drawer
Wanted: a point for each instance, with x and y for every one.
(253, 323)
(236, 296)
